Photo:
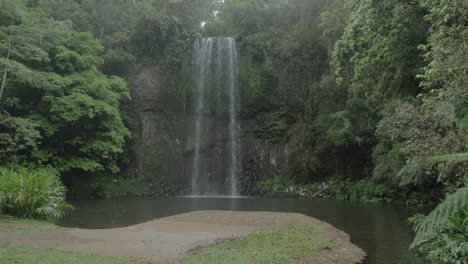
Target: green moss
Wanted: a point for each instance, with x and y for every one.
(190, 145)
(269, 126)
(157, 153)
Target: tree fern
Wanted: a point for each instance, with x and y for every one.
(452, 205)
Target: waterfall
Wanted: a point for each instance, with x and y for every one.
(215, 139)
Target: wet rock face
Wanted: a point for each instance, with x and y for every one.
(165, 147)
(261, 157)
(159, 139)
(146, 87)
(265, 149)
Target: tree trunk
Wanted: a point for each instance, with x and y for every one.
(5, 71)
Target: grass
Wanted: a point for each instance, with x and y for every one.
(26, 255)
(25, 221)
(26, 225)
(286, 244)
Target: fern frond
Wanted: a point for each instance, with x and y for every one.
(410, 174)
(460, 157)
(450, 206)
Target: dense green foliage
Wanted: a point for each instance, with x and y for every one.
(443, 234)
(416, 122)
(282, 186)
(275, 184)
(370, 90)
(448, 244)
(362, 190)
(370, 94)
(65, 111)
(365, 90)
(32, 193)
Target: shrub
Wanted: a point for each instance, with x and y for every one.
(32, 193)
(275, 184)
(312, 188)
(362, 190)
(108, 187)
(443, 234)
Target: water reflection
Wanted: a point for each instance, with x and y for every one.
(379, 229)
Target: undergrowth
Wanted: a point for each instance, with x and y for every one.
(443, 234)
(32, 193)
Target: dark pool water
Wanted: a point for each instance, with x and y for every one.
(380, 229)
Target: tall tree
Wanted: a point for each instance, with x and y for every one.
(55, 84)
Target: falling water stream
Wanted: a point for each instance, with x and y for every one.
(216, 137)
(380, 229)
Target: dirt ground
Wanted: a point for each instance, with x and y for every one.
(172, 238)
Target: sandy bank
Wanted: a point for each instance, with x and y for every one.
(173, 238)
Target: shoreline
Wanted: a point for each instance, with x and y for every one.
(187, 236)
